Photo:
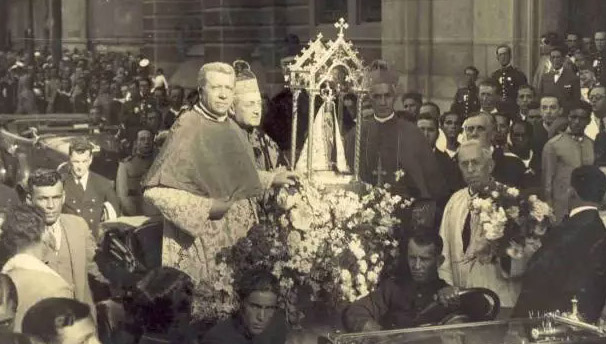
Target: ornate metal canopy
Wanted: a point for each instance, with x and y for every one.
(334, 65)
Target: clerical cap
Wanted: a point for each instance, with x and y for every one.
(247, 87)
(380, 73)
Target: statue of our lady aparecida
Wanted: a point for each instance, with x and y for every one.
(328, 148)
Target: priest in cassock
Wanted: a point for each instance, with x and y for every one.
(462, 233)
(390, 144)
(204, 180)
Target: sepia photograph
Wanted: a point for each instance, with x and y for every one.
(302, 171)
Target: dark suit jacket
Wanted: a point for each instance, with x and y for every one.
(599, 149)
(451, 171)
(89, 204)
(508, 169)
(572, 262)
(568, 87)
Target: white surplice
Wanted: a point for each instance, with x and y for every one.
(458, 269)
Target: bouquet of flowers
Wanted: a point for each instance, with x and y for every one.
(323, 244)
(511, 224)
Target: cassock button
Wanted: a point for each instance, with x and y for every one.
(93, 200)
(91, 210)
(78, 211)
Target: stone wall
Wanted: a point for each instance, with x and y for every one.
(116, 25)
(431, 41)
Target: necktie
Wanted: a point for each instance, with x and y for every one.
(80, 185)
(466, 232)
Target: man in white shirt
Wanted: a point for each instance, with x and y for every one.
(597, 97)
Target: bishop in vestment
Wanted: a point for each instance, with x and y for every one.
(390, 144)
(204, 179)
(462, 233)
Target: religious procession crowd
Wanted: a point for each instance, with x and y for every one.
(202, 162)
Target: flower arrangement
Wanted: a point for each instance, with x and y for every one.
(512, 224)
(323, 244)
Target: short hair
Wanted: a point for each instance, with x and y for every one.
(219, 67)
(157, 296)
(23, 225)
(501, 46)
(551, 38)
(428, 117)
(486, 153)
(488, 83)
(80, 145)
(46, 318)
(550, 95)
(596, 86)
(589, 182)
(559, 48)
(528, 87)
(472, 68)
(416, 96)
(490, 119)
(582, 105)
(450, 113)
(427, 238)
(433, 105)
(503, 115)
(534, 105)
(257, 280)
(43, 177)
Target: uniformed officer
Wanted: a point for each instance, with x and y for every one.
(87, 194)
(130, 173)
(467, 98)
(508, 78)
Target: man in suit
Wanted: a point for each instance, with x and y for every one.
(508, 78)
(74, 247)
(599, 61)
(488, 96)
(428, 124)
(526, 95)
(521, 146)
(562, 154)
(86, 193)
(572, 261)
(561, 81)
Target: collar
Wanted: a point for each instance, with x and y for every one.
(575, 138)
(506, 67)
(56, 230)
(28, 262)
(386, 119)
(200, 108)
(577, 210)
(83, 180)
(558, 71)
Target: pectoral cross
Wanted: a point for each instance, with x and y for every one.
(379, 172)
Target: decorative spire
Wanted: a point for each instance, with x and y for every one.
(341, 25)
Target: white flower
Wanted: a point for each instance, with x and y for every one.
(399, 174)
(372, 277)
(301, 218)
(492, 232)
(363, 266)
(533, 198)
(513, 212)
(494, 194)
(294, 239)
(513, 192)
(374, 258)
(360, 280)
(345, 275)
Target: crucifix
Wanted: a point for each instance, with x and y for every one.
(341, 25)
(379, 172)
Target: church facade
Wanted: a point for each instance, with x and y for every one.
(428, 41)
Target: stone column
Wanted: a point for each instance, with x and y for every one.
(74, 23)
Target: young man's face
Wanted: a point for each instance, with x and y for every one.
(525, 97)
(423, 261)
(550, 109)
(502, 130)
(411, 106)
(504, 56)
(82, 331)
(577, 121)
(452, 126)
(48, 199)
(487, 96)
(429, 129)
(557, 59)
(258, 309)
(519, 137)
(80, 163)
